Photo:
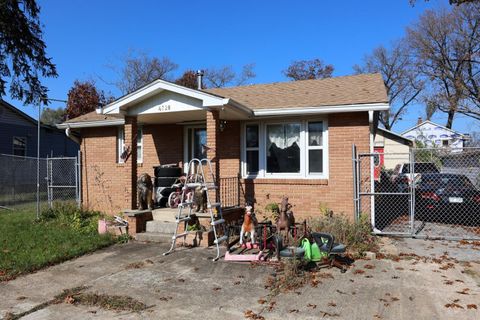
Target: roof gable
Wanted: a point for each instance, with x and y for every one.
(156, 87)
(8, 110)
(433, 124)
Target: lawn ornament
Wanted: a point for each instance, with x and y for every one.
(144, 192)
(249, 224)
(286, 219)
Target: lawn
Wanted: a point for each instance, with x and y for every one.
(27, 245)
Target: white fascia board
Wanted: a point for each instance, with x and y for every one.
(323, 109)
(91, 124)
(239, 108)
(158, 85)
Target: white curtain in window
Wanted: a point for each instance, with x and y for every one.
(283, 135)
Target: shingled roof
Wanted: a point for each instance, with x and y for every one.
(356, 89)
(94, 116)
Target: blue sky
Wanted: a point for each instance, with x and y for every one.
(84, 37)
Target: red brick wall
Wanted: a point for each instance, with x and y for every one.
(105, 183)
(109, 186)
(305, 194)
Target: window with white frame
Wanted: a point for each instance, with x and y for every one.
(252, 148)
(19, 146)
(315, 147)
(283, 148)
(296, 149)
(122, 153)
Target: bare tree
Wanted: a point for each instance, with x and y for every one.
(308, 69)
(139, 69)
(401, 81)
(224, 76)
(443, 57)
(452, 2)
(467, 29)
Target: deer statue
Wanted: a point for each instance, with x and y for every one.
(249, 224)
(286, 218)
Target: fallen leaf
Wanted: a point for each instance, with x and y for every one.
(358, 271)
(369, 266)
(313, 306)
(236, 283)
(463, 291)
(262, 301)
(217, 289)
(249, 314)
(453, 305)
(332, 304)
(293, 311)
(472, 306)
(272, 305)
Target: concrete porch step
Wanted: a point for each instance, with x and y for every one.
(161, 226)
(154, 237)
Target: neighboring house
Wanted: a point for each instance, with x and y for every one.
(392, 149)
(435, 135)
(18, 136)
(291, 138)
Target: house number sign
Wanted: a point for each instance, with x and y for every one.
(164, 107)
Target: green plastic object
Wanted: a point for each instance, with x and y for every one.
(312, 251)
(308, 249)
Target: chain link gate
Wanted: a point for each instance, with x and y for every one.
(63, 179)
(425, 193)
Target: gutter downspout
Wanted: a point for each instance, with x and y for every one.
(71, 136)
(372, 169)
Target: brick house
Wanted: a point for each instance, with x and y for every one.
(291, 138)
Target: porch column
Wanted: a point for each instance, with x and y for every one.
(131, 162)
(213, 131)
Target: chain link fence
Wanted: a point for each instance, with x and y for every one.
(59, 179)
(426, 193)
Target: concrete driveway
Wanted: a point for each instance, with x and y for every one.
(444, 284)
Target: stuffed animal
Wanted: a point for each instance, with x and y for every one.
(249, 224)
(144, 192)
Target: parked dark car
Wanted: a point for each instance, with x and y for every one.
(402, 176)
(447, 198)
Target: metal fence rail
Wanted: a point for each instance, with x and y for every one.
(425, 193)
(59, 179)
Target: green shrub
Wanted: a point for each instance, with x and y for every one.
(356, 235)
(272, 211)
(69, 214)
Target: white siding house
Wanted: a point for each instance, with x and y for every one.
(435, 135)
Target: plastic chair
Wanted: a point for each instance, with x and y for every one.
(326, 243)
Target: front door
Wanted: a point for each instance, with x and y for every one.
(196, 140)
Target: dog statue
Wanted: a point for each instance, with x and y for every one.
(144, 192)
(200, 199)
(249, 224)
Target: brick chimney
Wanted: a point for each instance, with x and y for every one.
(420, 120)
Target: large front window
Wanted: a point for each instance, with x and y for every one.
(282, 148)
(295, 149)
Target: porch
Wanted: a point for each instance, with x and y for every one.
(168, 124)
